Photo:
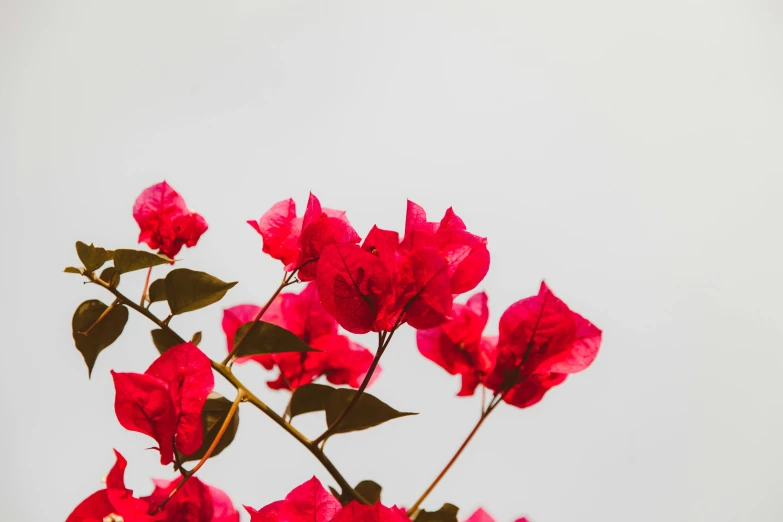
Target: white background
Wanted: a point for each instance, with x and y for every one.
(628, 152)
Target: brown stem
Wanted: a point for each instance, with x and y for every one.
(414, 508)
(383, 341)
(251, 398)
(146, 287)
(231, 412)
(100, 318)
(288, 279)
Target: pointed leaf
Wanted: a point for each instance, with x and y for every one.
(111, 276)
(369, 490)
(214, 414)
(164, 339)
(447, 513)
(369, 411)
(196, 338)
(127, 260)
(72, 270)
(310, 397)
(91, 256)
(102, 334)
(157, 291)
(268, 338)
(188, 290)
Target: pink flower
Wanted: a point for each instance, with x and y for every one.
(310, 502)
(458, 346)
(165, 221)
(541, 341)
(166, 401)
(339, 359)
(298, 242)
(195, 502)
(482, 516)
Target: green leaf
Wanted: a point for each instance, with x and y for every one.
(91, 256)
(164, 339)
(369, 490)
(196, 338)
(72, 270)
(447, 513)
(267, 338)
(368, 411)
(157, 291)
(310, 397)
(188, 290)
(212, 417)
(127, 260)
(111, 276)
(102, 334)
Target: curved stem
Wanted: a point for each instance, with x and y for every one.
(223, 370)
(414, 508)
(383, 342)
(146, 287)
(230, 415)
(288, 279)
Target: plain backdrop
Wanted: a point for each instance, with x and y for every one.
(628, 152)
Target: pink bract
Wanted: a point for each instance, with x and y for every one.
(164, 219)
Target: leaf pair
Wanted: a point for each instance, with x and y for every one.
(125, 259)
(368, 411)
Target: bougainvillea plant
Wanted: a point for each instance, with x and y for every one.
(378, 285)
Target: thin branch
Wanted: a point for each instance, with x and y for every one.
(101, 317)
(230, 415)
(414, 508)
(383, 341)
(250, 397)
(288, 278)
(146, 287)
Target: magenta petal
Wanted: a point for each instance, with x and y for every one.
(143, 404)
(188, 374)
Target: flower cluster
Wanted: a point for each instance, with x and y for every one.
(310, 501)
(165, 221)
(338, 358)
(385, 281)
(350, 285)
(195, 502)
(541, 341)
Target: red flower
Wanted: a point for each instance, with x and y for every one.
(298, 242)
(310, 502)
(116, 499)
(355, 512)
(165, 221)
(482, 516)
(385, 282)
(458, 345)
(166, 401)
(195, 502)
(541, 342)
(341, 360)
(466, 254)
